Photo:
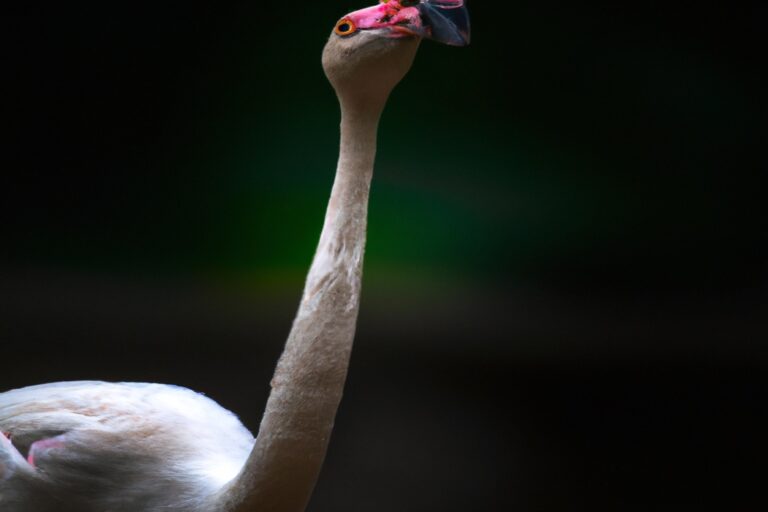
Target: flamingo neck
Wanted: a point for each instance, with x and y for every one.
(282, 469)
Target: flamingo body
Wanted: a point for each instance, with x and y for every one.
(103, 447)
(118, 447)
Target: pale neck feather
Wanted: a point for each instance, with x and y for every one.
(282, 469)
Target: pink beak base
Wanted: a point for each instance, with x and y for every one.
(400, 21)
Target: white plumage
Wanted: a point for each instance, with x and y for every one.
(115, 447)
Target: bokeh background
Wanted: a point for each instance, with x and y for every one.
(565, 286)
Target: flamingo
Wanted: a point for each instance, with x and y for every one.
(93, 446)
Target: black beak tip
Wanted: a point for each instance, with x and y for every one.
(447, 21)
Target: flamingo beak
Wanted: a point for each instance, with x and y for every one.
(444, 21)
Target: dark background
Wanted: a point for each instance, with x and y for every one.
(565, 294)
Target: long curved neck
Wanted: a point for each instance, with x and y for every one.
(308, 383)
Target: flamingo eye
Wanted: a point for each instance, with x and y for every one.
(345, 27)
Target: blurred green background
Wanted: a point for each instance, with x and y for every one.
(566, 140)
(565, 273)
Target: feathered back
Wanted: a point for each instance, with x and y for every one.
(118, 447)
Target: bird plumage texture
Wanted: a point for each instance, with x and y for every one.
(117, 447)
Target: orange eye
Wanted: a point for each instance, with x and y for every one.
(345, 27)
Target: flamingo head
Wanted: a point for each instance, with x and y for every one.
(371, 50)
(445, 21)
